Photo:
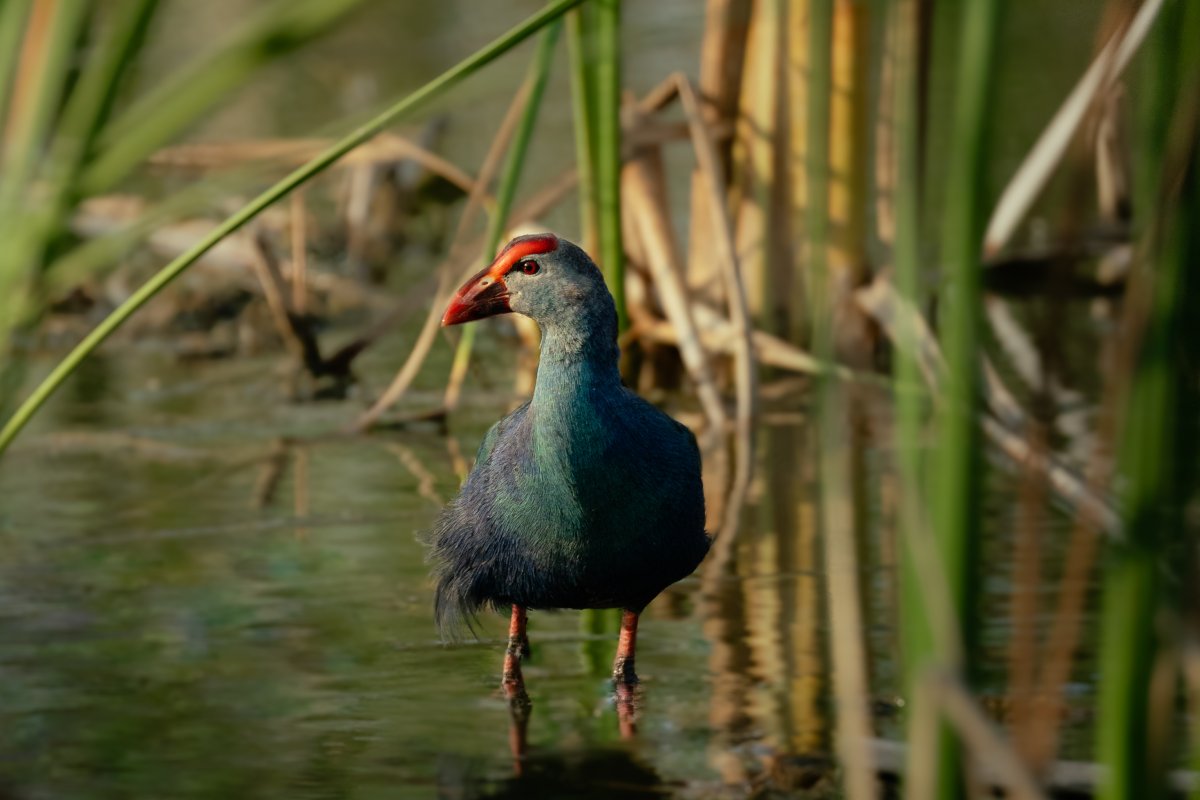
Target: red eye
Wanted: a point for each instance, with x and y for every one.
(529, 267)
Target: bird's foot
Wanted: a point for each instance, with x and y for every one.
(623, 673)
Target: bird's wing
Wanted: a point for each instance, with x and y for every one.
(496, 431)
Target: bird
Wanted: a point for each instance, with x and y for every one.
(586, 496)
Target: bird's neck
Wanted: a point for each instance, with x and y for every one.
(578, 357)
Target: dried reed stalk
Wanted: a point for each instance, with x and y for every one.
(387, 148)
(722, 56)
(550, 195)
(985, 743)
(447, 274)
(851, 687)
(662, 259)
(746, 369)
(299, 231)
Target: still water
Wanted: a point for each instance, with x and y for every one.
(204, 594)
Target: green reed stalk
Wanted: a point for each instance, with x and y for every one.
(916, 625)
(436, 87)
(907, 257)
(13, 14)
(583, 114)
(510, 177)
(29, 123)
(958, 465)
(596, 102)
(91, 102)
(27, 128)
(1158, 456)
(606, 85)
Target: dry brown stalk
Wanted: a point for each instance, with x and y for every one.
(383, 149)
(491, 165)
(266, 267)
(722, 57)
(1027, 582)
(880, 300)
(986, 743)
(746, 368)
(1041, 161)
(752, 176)
(849, 145)
(447, 273)
(535, 207)
(846, 621)
(662, 260)
(299, 253)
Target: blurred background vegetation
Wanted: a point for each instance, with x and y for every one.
(921, 275)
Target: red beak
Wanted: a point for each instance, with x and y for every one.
(484, 295)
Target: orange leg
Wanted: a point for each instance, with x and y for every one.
(623, 665)
(518, 647)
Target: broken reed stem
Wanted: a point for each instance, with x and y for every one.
(881, 302)
(274, 290)
(1039, 164)
(550, 196)
(719, 335)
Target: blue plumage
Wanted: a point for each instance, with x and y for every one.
(587, 496)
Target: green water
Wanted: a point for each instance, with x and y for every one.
(166, 634)
(171, 628)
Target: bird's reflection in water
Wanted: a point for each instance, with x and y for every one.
(607, 773)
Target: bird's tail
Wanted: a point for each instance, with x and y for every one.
(454, 610)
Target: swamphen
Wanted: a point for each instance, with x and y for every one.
(586, 496)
